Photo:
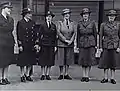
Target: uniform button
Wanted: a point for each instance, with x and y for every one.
(26, 36)
(32, 27)
(32, 35)
(27, 32)
(32, 39)
(32, 31)
(26, 28)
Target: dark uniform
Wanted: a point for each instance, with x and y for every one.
(6, 41)
(47, 41)
(26, 36)
(86, 42)
(109, 41)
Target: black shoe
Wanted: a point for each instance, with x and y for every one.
(23, 79)
(48, 77)
(2, 82)
(42, 77)
(6, 80)
(67, 77)
(83, 79)
(87, 79)
(104, 80)
(113, 81)
(60, 77)
(28, 78)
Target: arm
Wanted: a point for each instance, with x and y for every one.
(40, 35)
(101, 35)
(78, 35)
(95, 33)
(56, 36)
(18, 32)
(74, 34)
(119, 36)
(60, 35)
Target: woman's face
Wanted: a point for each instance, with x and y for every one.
(7, 10)
(86, 16)
(111, 18)
(49, 18)
(67, 16)
(28, 16)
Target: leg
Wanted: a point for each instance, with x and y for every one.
(6, 74)
(61, 73)
(66, 73)
(66, 69)
(48, 72)
(87, 73)
(61, 70)
(23, 79)
(43, 73)
(84, 74)
(106, 73)
(31, 71)
(2, 81)
(28, 68)
(113, 76)
(22, 70)
(105, 76)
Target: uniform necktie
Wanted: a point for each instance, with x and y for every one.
(67, 23)
(7, 17)
(49, 24)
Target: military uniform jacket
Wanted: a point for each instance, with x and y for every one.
(65, 33)
(47, 35)
(109, 35)
(6, 40)
(86, 34)
(26, 34)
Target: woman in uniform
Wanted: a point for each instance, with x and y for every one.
(26, 37)
(6, 41)
(86, 42)
(109, 44)
(65, 53)
(47, 42)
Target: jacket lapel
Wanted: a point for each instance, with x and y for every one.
(111, 26)
(85, 24)
(4, 19)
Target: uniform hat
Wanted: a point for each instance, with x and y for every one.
(49, 13)
(25, 11)
(66, 11)
(6, 4)
(112, 12)
(85, 10)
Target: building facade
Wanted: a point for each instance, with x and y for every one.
(40, 7)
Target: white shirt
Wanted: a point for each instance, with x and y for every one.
(48, 23)
(26, 19)
(4, 16)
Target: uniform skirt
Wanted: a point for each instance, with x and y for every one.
(108, 59)
(6, 55)
(27, 57)
(64, 56)
(46, 56)
(87, 57)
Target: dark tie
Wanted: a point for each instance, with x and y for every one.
(7, 17)
(67, 23)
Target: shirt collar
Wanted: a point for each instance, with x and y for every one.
(26, 19)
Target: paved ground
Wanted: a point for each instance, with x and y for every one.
(63, 85)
